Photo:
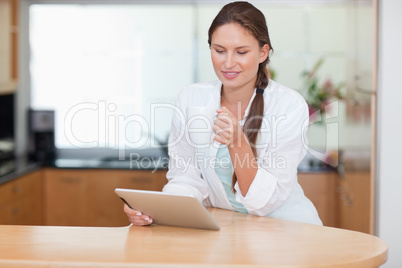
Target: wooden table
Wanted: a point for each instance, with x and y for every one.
(243, 241)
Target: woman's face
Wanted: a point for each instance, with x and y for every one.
(236, 55)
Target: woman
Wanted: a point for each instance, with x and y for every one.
(260, 128)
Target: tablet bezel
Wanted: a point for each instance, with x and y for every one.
(169, 209)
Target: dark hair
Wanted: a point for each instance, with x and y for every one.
(252, 19)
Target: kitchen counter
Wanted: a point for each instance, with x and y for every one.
(146, 159)
(142, 164)
(16, 167)
(243, 241)
(141, 159)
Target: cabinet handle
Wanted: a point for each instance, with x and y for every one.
(16, 190)
(15, 211)
(141, 180)
(70, 180)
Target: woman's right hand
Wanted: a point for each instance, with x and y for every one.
(136, 217)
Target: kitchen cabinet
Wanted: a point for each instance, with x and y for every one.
(321, 189)
(8, 45)
(354, 201)
(65, 197)
(21, 200)
(342, 202)
(106, 206)
(87, 198)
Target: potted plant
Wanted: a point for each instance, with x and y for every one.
(317, 94)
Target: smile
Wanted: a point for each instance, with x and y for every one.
(230, 75)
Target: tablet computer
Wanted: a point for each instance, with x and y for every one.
(169, 209)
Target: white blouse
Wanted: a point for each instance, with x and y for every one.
(282, 144)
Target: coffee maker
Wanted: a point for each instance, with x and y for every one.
(42, 136)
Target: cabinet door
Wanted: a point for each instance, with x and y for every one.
(355, 201)
(106, 208)
(321, 189)
(8, 44)
(25, 211)
(21, 200)
(66, 195)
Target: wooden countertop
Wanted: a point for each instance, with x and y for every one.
(243, 241)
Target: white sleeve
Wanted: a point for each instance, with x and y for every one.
(184, 176)
(277, 164)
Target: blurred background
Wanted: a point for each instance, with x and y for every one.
(81, 81)
(129, 56)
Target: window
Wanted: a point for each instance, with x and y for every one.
(100, 67)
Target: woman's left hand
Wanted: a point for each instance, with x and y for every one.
(227, 128)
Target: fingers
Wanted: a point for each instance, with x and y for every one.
(225, 126)
(222, 136)
(136, 217)
(224, 121)
(223, 109)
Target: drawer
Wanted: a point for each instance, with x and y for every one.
(20, 187)
(133, 179)
(21, 211)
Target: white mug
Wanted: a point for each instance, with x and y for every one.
(199, 123)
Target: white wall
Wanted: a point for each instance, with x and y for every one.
(5, 59)
(389, 177)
